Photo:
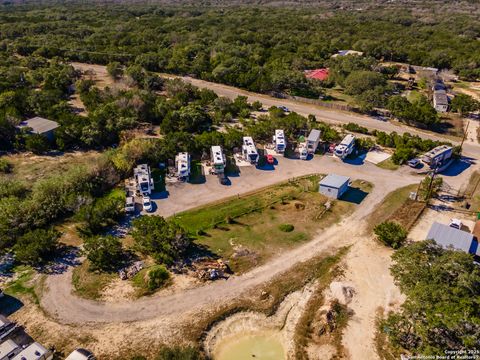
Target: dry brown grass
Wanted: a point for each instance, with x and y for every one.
(267, 297)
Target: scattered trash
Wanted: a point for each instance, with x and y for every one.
(130, 271)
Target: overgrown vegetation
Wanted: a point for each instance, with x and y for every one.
(441, 309)
(391, 234)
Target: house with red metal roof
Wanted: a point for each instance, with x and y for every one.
(318, 74)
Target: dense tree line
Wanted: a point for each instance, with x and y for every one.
(441, 310)
(262, 49)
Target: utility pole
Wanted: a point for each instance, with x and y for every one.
(464, 135)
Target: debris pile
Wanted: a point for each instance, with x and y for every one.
(130, 271)
(208, 269)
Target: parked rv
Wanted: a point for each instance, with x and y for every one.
(143, 179)
(279, 141)
(218, 160)
(182, 163)
(439, 157)
(312, 141)
(249, 150)
(346, 147)
(80, 354)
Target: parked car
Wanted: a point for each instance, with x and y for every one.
(80, 354)
(130, 204)
(456, 224)
(284, 108)
(147, 204)
(413, 163)
(270, 159)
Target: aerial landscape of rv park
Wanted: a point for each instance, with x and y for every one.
(235, 180)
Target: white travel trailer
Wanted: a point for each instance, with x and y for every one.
(346, 147)
(279, 141)
(438, 157)
(249, 150)
(143, 179)
(313, 140)
(218, 160)
(182, 163)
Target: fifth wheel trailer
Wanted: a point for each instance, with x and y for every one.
(143, 179)
(346, 147)
(312, 141)
(249, 150)
(279, 141)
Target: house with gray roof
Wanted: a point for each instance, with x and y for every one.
(41, 126)
(334, 186)
(449, 237)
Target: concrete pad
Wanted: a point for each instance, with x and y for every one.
(376, 156)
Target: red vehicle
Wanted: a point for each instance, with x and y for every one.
(270, 159)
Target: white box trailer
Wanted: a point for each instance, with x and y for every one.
(218, 159)
(143, 179)
(313, 140)
(346, 147)
(279, 141)
(182, 164)
(249, 150)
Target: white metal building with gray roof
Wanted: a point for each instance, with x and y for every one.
(449, 237)
(333, 185)
(40, 126)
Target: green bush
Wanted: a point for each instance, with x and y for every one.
(286, 227)
(105, 253)
(36, 247)
(37, 144)
(5, 166)
(391, 234)
(157, 277)
(179, 353)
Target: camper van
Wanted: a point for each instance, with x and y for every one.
(218, 160)
(143, 179)
(249, 150)
(312, 141)
(346, 147)
(279, 141)
(182, 163)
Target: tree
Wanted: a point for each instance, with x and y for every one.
(164, 240)
(464, 104)
(360, 81)
(37, 246)
(441, 310)
(99, 215)
(115, 70)
(391, 234)
(157, 277)
(36, 143)
(105, 253)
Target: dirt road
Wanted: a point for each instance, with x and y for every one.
(67, 308)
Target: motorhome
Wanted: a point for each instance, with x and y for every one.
(279, 141)
(312, 141)
(249, 150)
(143, 179)
(182, 163)
(346, 147)
(34, 351)
(218, 159)
(438, 157)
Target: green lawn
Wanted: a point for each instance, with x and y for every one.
(247, 231)
(388, 165)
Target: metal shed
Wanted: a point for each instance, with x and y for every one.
(334, 186)
(448, 237)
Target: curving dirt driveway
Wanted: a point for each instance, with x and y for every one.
(59, 301)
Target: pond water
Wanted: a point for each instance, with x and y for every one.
(258, 346)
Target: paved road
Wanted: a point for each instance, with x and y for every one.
(330, 116)
(61, 303)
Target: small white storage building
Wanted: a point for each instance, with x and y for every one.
(334, 186)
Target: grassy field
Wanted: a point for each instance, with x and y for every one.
(388, 165)
(397, 207)
(250, 229)
(472, 191)
(29, 168)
